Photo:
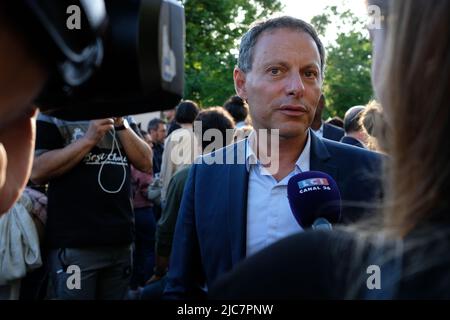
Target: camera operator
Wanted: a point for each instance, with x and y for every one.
(71, 73)
(90, 214)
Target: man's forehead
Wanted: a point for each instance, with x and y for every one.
(265, 46)
(281, 34)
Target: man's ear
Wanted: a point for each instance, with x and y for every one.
(239, 83)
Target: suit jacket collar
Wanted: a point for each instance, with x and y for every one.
(320, 157)
(352, 141)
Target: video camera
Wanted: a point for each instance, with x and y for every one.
(106, 58)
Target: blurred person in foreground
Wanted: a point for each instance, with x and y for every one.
(374, 124)
(23, 74)
(411, 241)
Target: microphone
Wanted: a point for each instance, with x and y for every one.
(314, 199)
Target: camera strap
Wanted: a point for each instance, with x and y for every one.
(114, 144)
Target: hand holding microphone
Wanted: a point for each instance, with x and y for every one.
(315, 200)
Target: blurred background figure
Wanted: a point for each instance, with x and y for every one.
(172, 124)
(323, 129)
(147, 137)
(157, 129)
(158, 132)
(211, 118)
(238, 109)
(180, 147)
(145, 225)
(354, 132)
(336, 121)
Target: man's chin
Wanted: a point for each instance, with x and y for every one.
(293, 132)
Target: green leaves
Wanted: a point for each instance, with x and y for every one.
(347, 76)
(213, 29)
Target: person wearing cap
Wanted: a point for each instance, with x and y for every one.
(354, 132)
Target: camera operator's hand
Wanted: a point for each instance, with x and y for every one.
(57, 162)
(118, 121)
(97, 130)
(137, 150)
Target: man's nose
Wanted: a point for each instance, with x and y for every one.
(295, 85)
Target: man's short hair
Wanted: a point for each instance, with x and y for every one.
(237, 108)
(186, 112)
(250, 38)
(336, 121)
(351, 119)
(154, 124)
(215, 118)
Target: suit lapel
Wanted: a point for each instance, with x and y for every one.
(320, 159)
(325, 131)
(237, 206)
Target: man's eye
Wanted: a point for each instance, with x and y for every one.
(310, 74)
(274, 71)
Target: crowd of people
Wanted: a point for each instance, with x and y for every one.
(195, 205)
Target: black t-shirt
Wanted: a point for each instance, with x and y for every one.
(341, 265)
(80, 212)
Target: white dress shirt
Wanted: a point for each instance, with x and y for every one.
(269, 216)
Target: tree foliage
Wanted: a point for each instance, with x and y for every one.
(347, 76)
(213, 28)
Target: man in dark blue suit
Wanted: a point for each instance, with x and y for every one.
(354, 132)
(323, 129)
(235, 200)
